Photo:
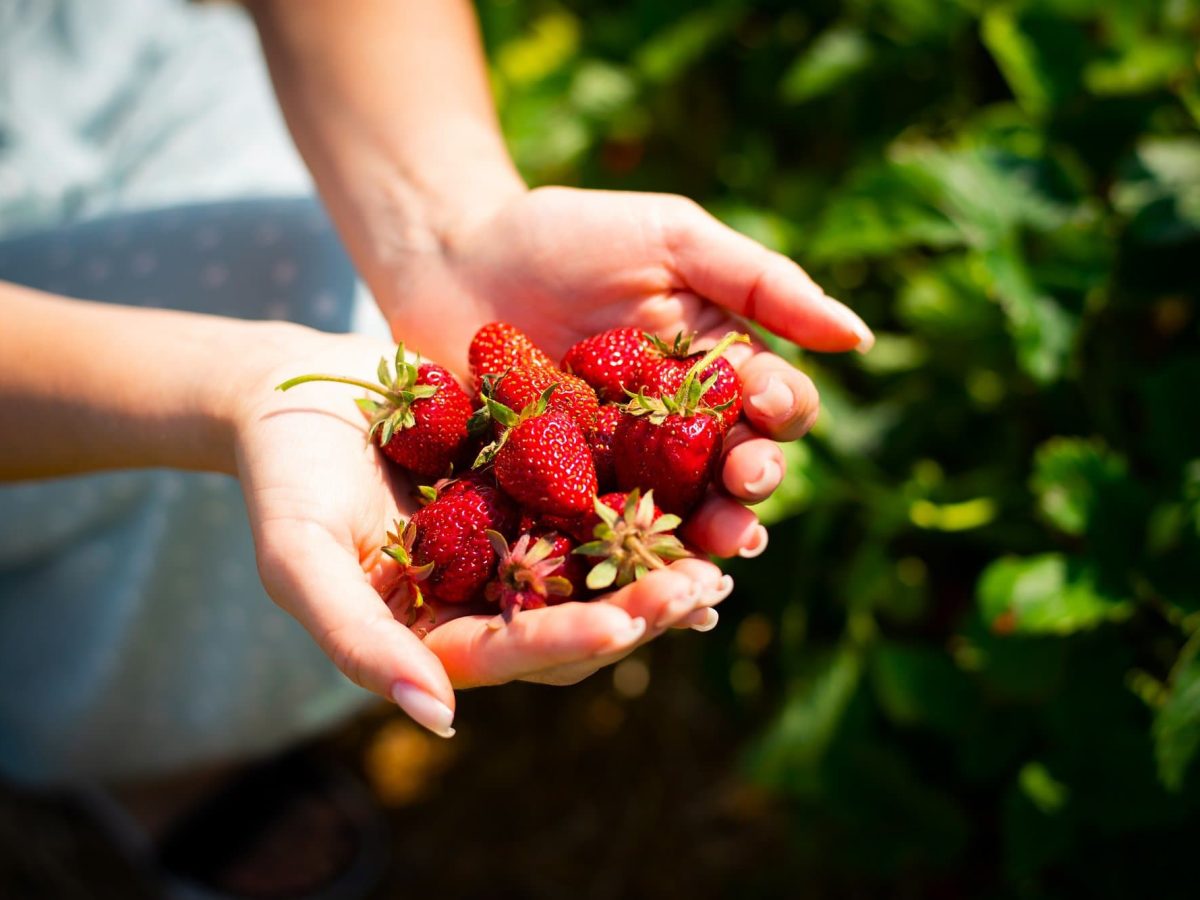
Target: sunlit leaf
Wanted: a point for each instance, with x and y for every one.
(835, 56)
(1045, 595)
(1070, 474)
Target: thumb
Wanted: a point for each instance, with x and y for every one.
(321, 584)
(749, 280)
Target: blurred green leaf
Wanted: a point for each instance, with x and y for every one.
(1149, 64)
(679, 46)
(600, 89)
(834, 56)
(1161, 191)
(1043, 332)
(1044, 594)
(550, 42)
(1040, 55)
(790, 754)
(918, 685)
(1017, 57)
(1069, 476)
(948, 298)
(881, 210)
(1044, 791)
(1177, 727)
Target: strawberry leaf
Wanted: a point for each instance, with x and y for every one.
(603, 574)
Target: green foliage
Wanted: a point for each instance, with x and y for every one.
(983, 586)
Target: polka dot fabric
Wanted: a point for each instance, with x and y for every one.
(135, 637)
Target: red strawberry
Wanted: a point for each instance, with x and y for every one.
(610, 361)
(672, 444)
(600, 438)
(629, 540)
(524, 384)
(422, 421)
(537, 571)
(444, 548)
(497, 347)
(669, 365)
(544, 464)
(676, 456)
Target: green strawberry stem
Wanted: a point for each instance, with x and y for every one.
(644, 556)
(710, 357)
(341, 379)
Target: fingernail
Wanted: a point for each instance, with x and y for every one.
(682, 604)
(630, 634)
(706, 622)
(768, 479)
(851, 319)
(723, 589)
(757, 545)
(424, 708)
(774, 400)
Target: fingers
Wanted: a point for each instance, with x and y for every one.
(723, 527)
(321, 584)
(665, 596)
(475, 652)
(753, 466)
(749, 280)
(668, 597)
(777, 398)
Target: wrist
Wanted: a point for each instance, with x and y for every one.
(418, 211)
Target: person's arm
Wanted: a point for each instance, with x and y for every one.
(87, 386)
(389, 104)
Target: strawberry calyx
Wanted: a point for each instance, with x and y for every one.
(495, 410)
(398, 385)
(631, 543)
(525, 568)
(679, 348)
(399, 547)
(688, 399)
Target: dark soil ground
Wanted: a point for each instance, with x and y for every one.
(614, 788)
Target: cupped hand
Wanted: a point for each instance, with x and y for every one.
(321, 499)
(562, 264)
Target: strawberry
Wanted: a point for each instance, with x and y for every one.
(610, 361)
(444, 549)
(523, 384)
(669, 364)
(629, 540)
(672, 444)
(600, 438)
(497, 347)
(545, 465)
(542, 459)
(675, 455)
(537, 571)
(421, 423)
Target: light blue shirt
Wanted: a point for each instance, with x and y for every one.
(135, 637)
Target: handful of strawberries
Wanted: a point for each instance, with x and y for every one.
(571, 479)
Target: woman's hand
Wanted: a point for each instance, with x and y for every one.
(321, 499)
(562, 264)
(390, 106)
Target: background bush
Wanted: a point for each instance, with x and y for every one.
(970, 657)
